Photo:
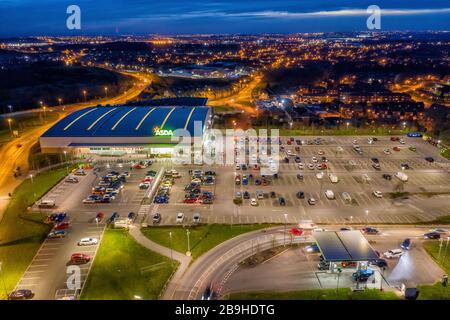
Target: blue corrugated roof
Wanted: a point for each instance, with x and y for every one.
(126, 121)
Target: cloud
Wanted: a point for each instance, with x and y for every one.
(294, 15)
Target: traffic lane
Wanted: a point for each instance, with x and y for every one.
(200, 265)
(290, 270)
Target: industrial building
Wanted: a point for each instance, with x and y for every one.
(126, 129)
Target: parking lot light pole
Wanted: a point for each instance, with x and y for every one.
(171, 253)
(284, 234)
(188, 253)
(65, 159)
(32, 185)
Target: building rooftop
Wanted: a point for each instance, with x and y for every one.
(128, 121)
(344, 246)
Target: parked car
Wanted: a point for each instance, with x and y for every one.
(377, 194)
(88, 242)
(296, 231)
(196, 218)
(381, 263)
(313, 248)
(180, 217)
(300, 195)
(281, 201)
(387, 176)
(72, 179)
(79, 258)
(311, 201)
(369, 230)
(429, 159)
(432, 235)
(62, 226)
(253, 202)
(99, 216)
(56, 234)
(21, 294)
(394, 253)
(362, 275)
(156, 218)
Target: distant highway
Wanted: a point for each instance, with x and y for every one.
(13, 156)
(243, 95)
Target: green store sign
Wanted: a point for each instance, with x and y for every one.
(165, 133)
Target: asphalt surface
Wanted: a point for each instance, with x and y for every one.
(296, 270)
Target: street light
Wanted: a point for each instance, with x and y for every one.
(106, 92)
(188, 253)
(84, 95)
(171, 253)
(10, 108)
(9, 123)
(65, 159)
(32, 185)
(59, 101)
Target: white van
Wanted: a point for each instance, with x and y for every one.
(329, 194)
(333, 178)
(402, 176)
(47, 204)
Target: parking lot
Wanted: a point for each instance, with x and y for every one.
(427, 187)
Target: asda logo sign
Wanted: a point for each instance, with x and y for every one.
(160, 132)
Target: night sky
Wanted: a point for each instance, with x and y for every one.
(108, 17)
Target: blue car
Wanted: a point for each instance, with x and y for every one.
(362, 275)
(406, 244)
(113, 217)
(313, 248)
(131, 215)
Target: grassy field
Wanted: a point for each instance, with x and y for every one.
(124, 270)
(318, 294)
(21, 233)
(437, 291)
(202, 237)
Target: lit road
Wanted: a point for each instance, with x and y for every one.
(13, 156)
(217, 266)
(243, 95)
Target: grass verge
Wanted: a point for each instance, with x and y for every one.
(125, 270)
(436, 291)
(202, 237)
(21, 232)
(318, 294)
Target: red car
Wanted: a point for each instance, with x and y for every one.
(289, 142)
(99, 217)
(395, 138)
(138, 166)
(296, 231)
(349, 264)
(190, 200)
(62, 226)
(396, 148)
(80, 258)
